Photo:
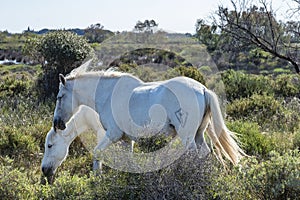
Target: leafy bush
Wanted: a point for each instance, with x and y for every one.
(239, 85)
(15, 183)
(15, 84)
(275, 178)
(251, 139)
(259, 108)
(255, 105)
(266, 111)
(62, 49)
(14, 143)
(59, 52)
(297, 141)
(66, 186)
(287, 85)
(190, 72)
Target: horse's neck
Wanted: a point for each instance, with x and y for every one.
(93, 89)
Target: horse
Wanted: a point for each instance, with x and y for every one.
(127, 106)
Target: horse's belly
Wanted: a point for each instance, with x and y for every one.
(149, 115)
(149, 121)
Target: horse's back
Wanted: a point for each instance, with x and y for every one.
(180, 94)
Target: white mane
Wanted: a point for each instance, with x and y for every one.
(83, 71)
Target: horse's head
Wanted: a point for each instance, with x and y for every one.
(64, 104)
(56, 151)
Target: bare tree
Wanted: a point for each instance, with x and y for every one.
(146, 26)
(294, 8)
(258, 26)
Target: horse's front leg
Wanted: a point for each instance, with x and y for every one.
(104, 142)
(132, 146)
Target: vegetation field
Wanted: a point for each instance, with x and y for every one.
(264, 110)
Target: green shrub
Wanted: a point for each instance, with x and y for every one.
(190, 72)
(278, 177)
(63, 51)
(258, 108)
(239, 85)
(66, 186)
(287, 85)
(14, 142)
(296, 141)
(15, 183)
(281, 71)
(15, 84)
(265, 110)
(253, 142)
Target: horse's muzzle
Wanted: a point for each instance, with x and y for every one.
(47, 171)
(49, 174)
(58, 123)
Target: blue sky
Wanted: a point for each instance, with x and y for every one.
(116, 15)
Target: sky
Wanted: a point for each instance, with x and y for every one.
(116, 15)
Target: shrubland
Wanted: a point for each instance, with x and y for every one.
(263, 110)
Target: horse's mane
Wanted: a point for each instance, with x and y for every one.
(103, 74)
(83, 71)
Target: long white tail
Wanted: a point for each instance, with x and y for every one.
(223, 139)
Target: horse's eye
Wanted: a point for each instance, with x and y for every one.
(50, 145)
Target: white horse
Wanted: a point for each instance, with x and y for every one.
(127, 106)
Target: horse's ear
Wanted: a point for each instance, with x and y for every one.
(62, 79)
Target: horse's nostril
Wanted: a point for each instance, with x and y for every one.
(43, 170)
(47, 171)
(58, 123)
(55, 122)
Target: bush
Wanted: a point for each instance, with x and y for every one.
(59, 52)
(296, 141)
(190, 72)
(15, 183)
(15, 143)
(239, 85)
(265, 110)
(278, 177)
(287, 85)
(258, 108)
(253, 142)
(15, 84)
(66, 186)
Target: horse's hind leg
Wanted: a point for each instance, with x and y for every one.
(203, 149)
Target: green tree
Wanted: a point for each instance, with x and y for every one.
(207, 35)
(59, 52)
(96, 33)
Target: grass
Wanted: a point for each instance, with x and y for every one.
(20, 68)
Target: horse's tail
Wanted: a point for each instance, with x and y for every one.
(223, 139)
